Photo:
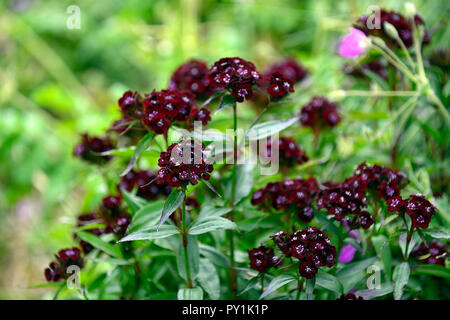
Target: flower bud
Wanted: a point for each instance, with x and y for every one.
(378, 41)
(390, 30)
(410, 9)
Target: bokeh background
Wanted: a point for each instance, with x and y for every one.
(56, 83)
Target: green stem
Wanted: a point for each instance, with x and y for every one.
(230, 234)
(362, 93)
(396, 63)
(185, 243)
(440, 105)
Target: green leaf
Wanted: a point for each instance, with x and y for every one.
(208, 224)
(134, 202)
(100, 244)
(277, 283)
(354, 267)
(215, 256)
(244, 181)
(269, 128)
(211, 210)
(400, 278)
(250, 285)
(227, 102)
(146, 216)
(141, 146)
(190, 294)
(211, 187)
(209, 279)
(173, 202)
(310, 284)
(150, 233)
(353, 272)
(328, 281)
(432, 270)
(438, 234)
(386, 288)
(193, 258)
(381, 245)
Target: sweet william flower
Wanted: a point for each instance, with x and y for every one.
(354, 44)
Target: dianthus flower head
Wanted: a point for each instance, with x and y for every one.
(319, 112)
(311, 246)
(297, 193)
(289, 69)
(289, 152)
(402, 25)
(279, 86)
(193, 76)
(65, 258)
(131, 104)
(263, 258)
(420, 210)
(161, 108)
(184, 163)
(234, 74)
(91, 148)
(147, 186)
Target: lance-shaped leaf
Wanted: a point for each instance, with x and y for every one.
(151, 233)
(269, 128)
(400, 277)
(209, 278)
(226, 102)
(211, 223)
(100, 244)
(143, 144)
(190, 294)
(146, 216)
(328, 281)
(277, 283)
(173, 202)
(134, 202)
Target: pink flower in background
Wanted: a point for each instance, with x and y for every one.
(347, 254)
(353, 44)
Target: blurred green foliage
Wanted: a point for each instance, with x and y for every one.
(56, 83)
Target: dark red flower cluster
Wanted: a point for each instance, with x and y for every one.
(433, 253)
(350, 296)
(298, 194)
(347, 198)
(147, 186)
(263, 258)
(417, 207)
(193, 76)
(403, 26)
(57, 270)
(288, 151)
(131, 104)
(90, 149)
(279, 86)
(386, 182)
(183, 163)
(319, 112)
(161, 108)
(236, 75)
(311, 246)
(289, 68)
(111, 214)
